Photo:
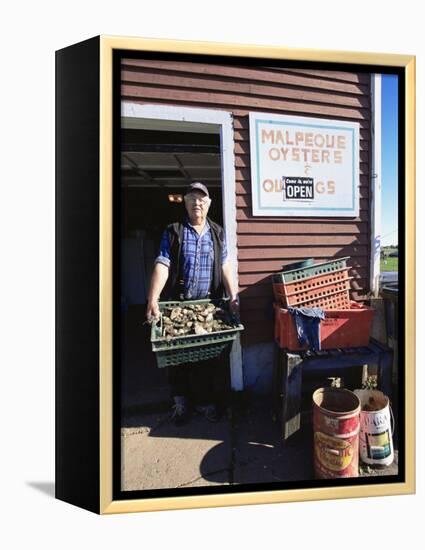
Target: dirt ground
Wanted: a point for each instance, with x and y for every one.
(244, 447)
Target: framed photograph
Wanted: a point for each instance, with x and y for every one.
(234, 274)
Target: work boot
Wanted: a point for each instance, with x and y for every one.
(180, 413)
(209, 411)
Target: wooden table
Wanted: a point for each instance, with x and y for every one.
(289, 367)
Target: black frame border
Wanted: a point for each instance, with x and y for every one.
(117, 493)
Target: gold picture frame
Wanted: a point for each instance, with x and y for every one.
(100, 498)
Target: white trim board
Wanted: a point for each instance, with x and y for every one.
(375, 184)
(186, 119)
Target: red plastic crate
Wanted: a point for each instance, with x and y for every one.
(328, 291)
(344, 328)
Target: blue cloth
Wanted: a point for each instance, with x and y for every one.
(307, 321)
(197, 258)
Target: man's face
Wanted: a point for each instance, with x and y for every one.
(197, 204)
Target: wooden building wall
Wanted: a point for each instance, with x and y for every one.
(264, 244)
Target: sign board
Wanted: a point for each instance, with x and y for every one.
(304, 166)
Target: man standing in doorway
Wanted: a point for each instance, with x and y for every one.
(193, 265)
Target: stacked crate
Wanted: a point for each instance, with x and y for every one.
(324, 285)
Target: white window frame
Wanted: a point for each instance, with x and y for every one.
(172, 118)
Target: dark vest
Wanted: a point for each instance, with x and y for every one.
(175, 285)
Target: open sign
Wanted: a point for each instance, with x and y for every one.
(298, 188)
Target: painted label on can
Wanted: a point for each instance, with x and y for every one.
(335, 425)
(378, 445)
(335, 454)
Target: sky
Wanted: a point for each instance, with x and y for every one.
(389, 144)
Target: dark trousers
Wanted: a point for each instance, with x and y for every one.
(199, 382)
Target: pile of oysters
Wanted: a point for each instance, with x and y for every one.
(194, 319)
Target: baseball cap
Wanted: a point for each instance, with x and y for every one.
(197, 185)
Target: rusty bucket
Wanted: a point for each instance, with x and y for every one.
(336, 426)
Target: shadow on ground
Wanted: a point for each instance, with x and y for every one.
(46, 487)
(243, 447)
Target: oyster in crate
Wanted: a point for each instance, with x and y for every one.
(197, 319)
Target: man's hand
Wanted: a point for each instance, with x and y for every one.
(152, 311)
(159, 278)
(231, 289)
(234, 307)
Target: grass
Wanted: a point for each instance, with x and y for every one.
(391, 265)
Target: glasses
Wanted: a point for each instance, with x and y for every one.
(194, 198)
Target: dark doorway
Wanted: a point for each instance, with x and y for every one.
(154, 165)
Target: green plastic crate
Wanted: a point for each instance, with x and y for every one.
(304, 273)
(190, 348)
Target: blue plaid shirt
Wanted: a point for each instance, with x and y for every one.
(198, 259)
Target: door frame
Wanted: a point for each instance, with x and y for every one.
(173, 118)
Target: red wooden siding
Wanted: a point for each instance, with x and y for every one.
(264, 244)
